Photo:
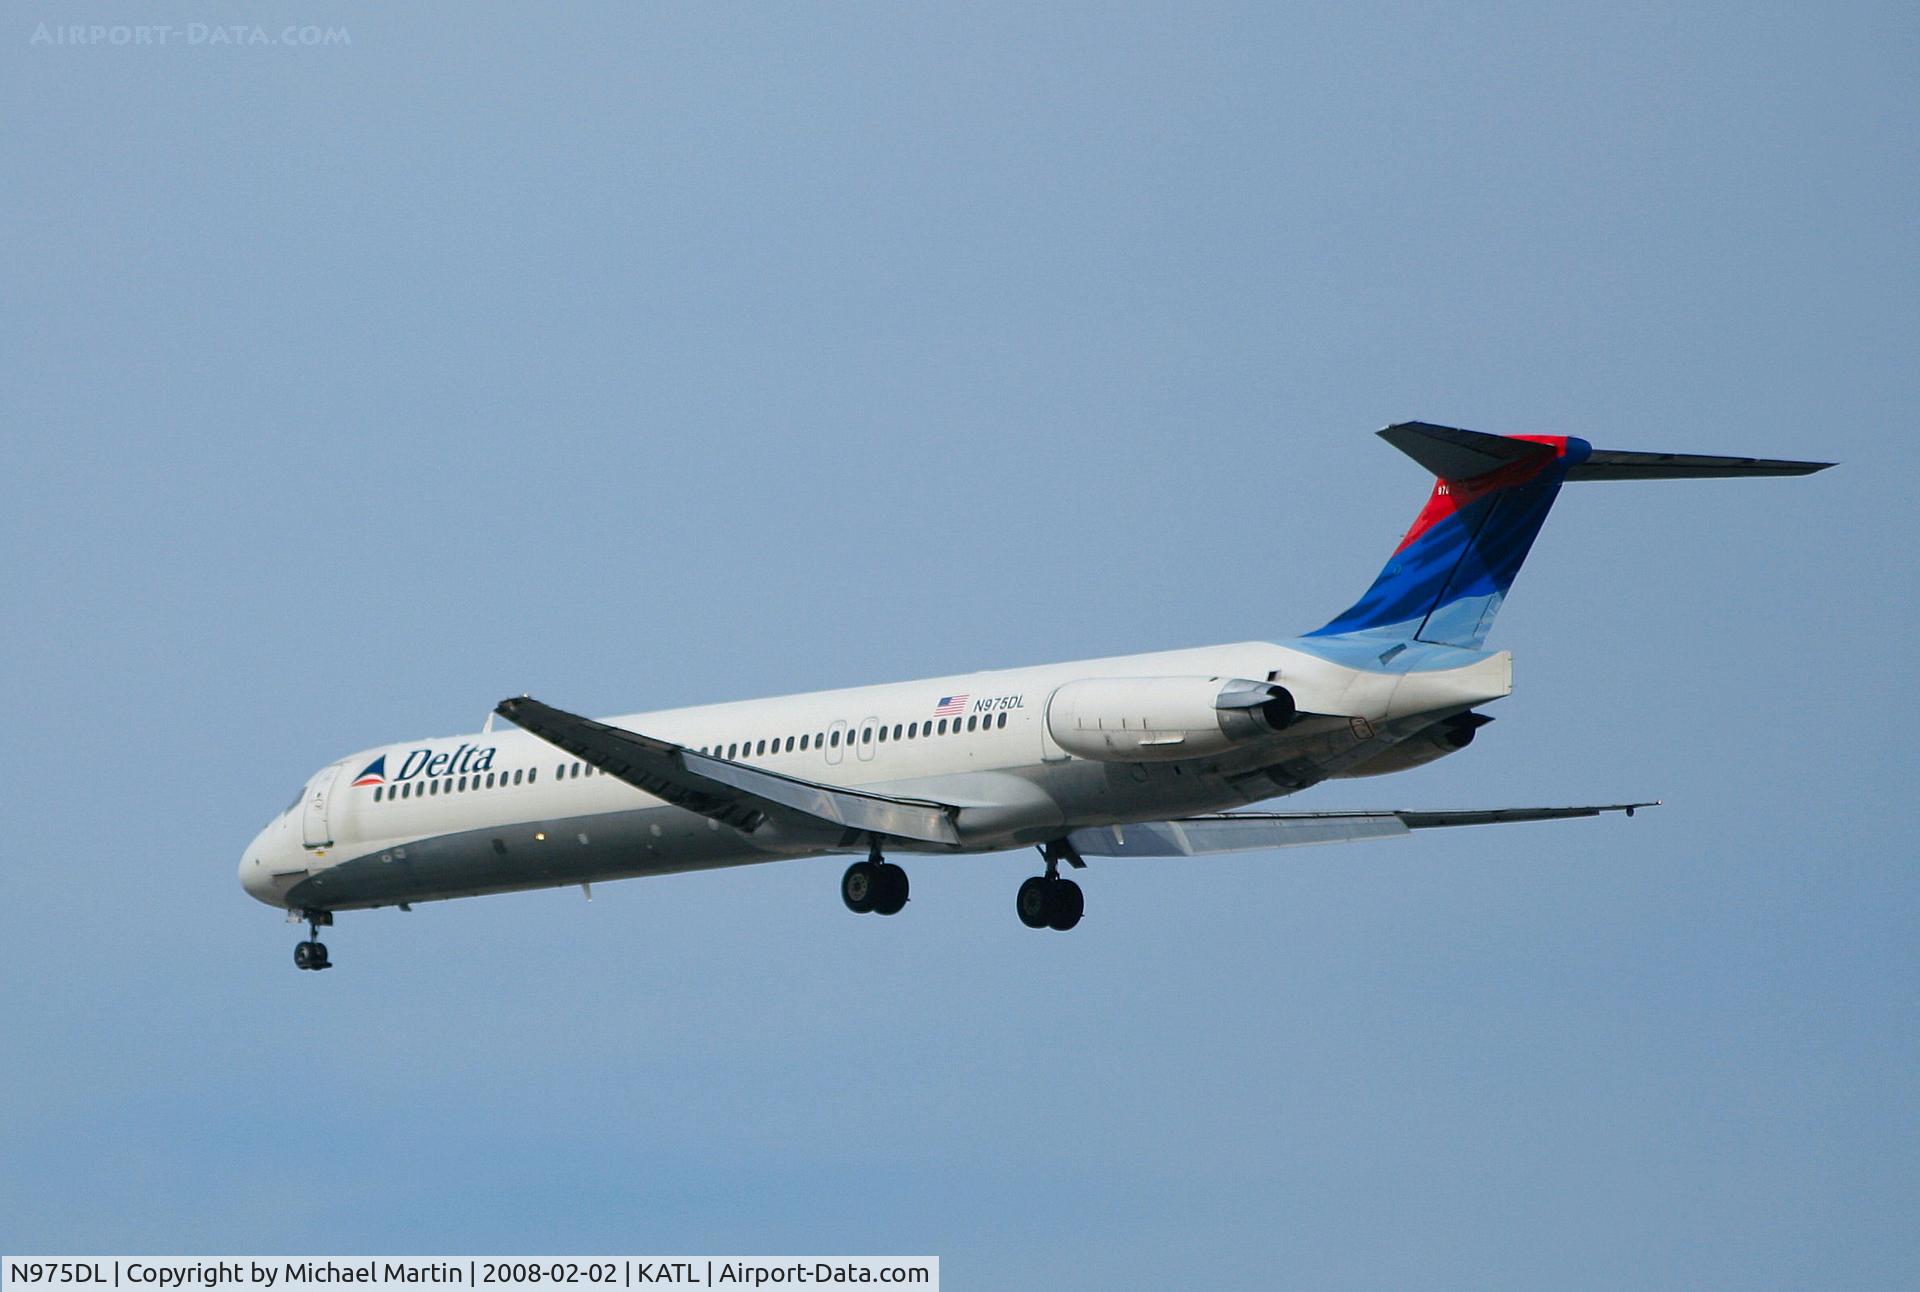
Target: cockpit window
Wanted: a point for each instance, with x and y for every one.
(298, 799)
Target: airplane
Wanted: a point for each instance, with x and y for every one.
(1134, 756)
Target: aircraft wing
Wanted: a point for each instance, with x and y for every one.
(1246, 831)
(733, 793)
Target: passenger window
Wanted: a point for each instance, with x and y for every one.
(789, 744)
(866, 735)
(973, 721)
(833, 741)
(883, 735)
(731, 749)
(533, 774)
(376, 794)
(1001, 721)
(896, 731)
(762, 748)
(803, 744)
(943, 726)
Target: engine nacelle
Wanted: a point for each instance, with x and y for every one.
(1164, 719)
(1439, 740)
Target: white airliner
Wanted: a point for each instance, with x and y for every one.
(1138, 755)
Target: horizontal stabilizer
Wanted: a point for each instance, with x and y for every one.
(1612, 464)
(1251, 831)
(1455, 454)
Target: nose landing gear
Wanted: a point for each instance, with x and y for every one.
(311, 954)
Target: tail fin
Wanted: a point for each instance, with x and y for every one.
(1445, 582)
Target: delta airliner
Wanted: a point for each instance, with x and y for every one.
(1137, 755)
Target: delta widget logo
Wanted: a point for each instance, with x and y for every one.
(428, 763)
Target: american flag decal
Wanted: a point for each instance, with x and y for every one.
(950, 706)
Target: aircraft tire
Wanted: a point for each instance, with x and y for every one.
(890, 889)
(303, 956)
(1067, 906)
(1033, 903)
(859, 886)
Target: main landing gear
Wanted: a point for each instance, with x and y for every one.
(875, 885)
(1048, 901)
(312, 954)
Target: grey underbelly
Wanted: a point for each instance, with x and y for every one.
(499, 859)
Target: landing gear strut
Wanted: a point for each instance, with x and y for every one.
(875, 884)
(1048, 901)
(312, 954)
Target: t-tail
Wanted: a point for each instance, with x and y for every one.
(1445, 582)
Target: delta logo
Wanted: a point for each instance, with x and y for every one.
(464, 761)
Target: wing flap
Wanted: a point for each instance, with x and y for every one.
(1247, 831)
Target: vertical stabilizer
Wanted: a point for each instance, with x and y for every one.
(1445, 582)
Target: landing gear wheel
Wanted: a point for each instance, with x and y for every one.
(1033, 902)
(1069, 903)
(1049, 902)
(890, 889)
(312, 954)
(859, 887)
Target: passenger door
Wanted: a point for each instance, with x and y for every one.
(314, 830)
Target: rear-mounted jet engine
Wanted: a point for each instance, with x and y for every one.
(1161, 719)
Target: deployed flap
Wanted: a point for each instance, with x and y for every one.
(1247, 831)
(734, 793)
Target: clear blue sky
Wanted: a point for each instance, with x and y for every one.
(640, 356)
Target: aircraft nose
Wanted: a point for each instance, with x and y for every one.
(255, 876)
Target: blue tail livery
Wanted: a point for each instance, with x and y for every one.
(1445, 582)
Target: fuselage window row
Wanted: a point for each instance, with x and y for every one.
(448, 785)
(749, 749)
(880, 733)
